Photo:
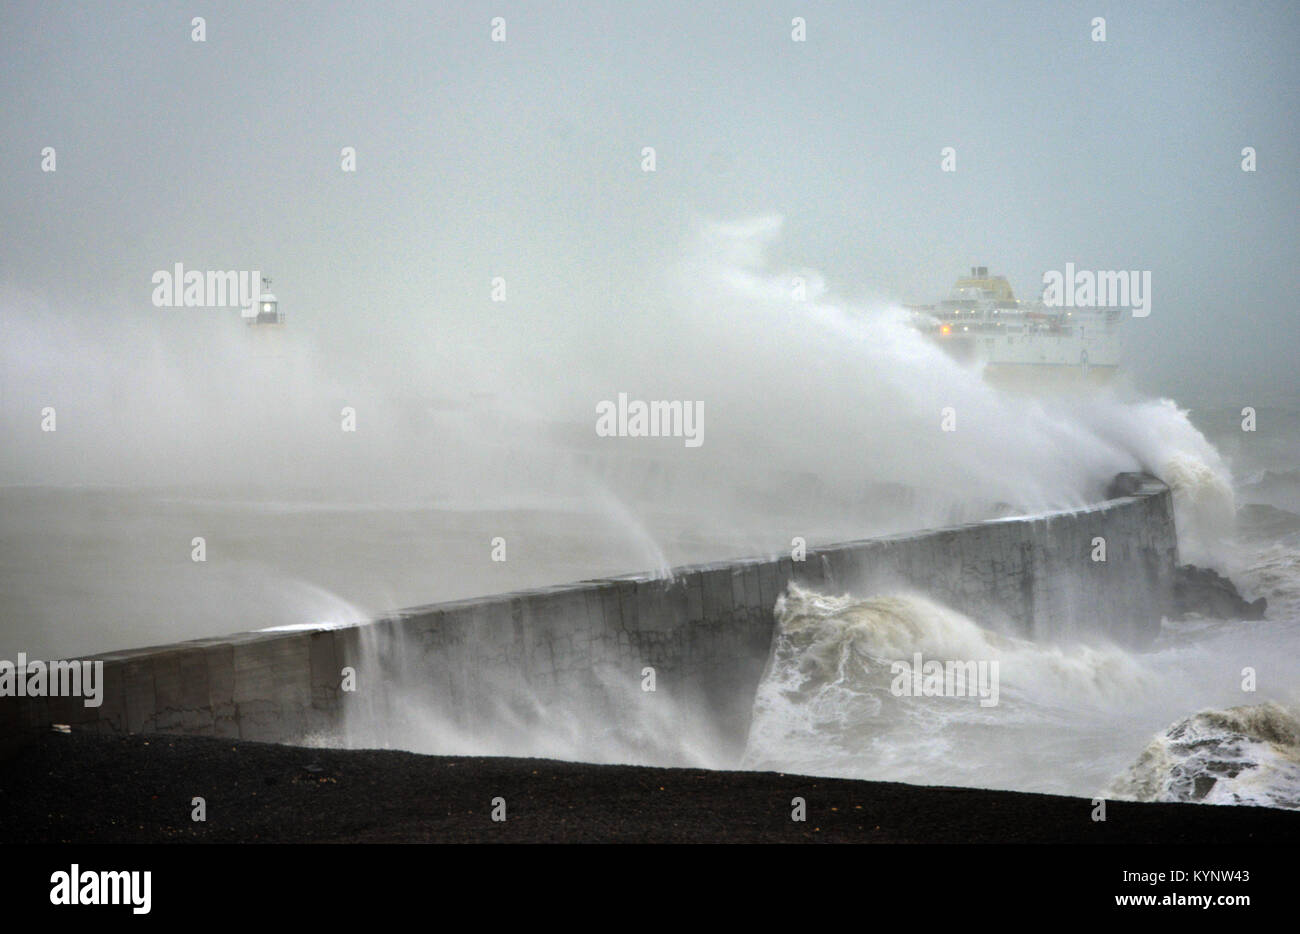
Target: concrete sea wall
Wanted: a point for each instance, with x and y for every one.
(520, 660)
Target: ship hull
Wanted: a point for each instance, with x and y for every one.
(1035, 377)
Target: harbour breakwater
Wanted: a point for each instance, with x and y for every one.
(624, 657)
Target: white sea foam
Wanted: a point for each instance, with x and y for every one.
(1069, 717)
(1241, 755)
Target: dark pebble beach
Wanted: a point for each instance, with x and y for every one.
(86, 788)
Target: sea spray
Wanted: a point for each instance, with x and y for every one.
(819, 406)
(448, 689)
(826, 703)
(824, 424)
(1070, 717)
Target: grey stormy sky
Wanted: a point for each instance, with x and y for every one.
(522, 159)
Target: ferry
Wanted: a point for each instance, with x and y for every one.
(1022, 343)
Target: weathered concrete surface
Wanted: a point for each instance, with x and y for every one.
(521, 658)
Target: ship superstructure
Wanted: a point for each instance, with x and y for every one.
(1021, 342)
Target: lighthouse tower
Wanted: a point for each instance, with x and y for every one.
(265, 310)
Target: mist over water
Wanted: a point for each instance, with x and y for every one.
(188, 398)
(822, 419)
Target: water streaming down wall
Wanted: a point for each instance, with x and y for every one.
(560, 671)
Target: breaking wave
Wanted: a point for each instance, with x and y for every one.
(1204, 506)
(828, 705)
(1068, 719)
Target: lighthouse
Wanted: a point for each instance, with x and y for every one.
(265, 308)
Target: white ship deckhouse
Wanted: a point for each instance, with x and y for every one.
(1022, 343)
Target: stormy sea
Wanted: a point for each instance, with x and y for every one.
(200, 487)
